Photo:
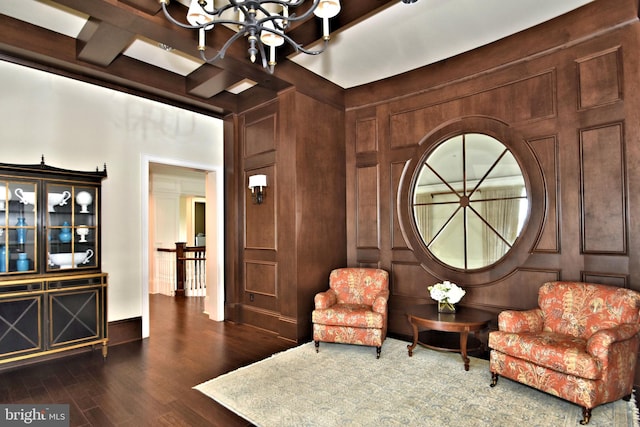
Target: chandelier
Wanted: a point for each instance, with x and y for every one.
(262, 22)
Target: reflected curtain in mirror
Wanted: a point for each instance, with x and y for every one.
(469, 201)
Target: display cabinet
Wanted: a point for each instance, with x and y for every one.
(53, 293)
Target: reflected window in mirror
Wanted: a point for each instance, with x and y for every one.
(469, 201)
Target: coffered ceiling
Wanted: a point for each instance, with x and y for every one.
(130, 45)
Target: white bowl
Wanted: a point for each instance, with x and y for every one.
(70, 260)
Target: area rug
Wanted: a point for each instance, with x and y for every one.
(345, 385)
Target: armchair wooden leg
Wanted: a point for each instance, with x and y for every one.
(317, 344)
(586, 416)
(494, 379)
(378, 351)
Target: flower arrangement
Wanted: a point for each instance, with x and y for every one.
(447, 294)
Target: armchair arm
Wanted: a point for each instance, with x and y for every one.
(325, 299)
(600, 342)
(521, 321)
(380, 302)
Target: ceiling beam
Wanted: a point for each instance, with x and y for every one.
(148, 6)
(208, 81)
(100, 42)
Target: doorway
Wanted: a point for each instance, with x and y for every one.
(211, 180)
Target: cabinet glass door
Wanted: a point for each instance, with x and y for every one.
(18, 226)
(71, 226)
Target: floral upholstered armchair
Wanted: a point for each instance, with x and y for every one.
(581, 344)
(354, 309)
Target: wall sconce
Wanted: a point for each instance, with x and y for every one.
(257, 184)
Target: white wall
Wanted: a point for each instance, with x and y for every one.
(76, 125)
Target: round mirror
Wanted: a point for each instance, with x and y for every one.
(469, 201)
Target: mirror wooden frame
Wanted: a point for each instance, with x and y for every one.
(534, 184)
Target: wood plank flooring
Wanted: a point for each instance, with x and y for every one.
(148, 383)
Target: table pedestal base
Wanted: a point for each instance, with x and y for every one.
(447, 341)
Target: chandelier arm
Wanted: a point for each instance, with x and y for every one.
(220, 10)
(263, 55)
(298, 47)
(222, 50)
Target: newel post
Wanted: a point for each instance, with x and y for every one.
(180, 268)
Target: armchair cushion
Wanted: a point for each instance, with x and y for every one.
(562, 353)
(521, 321)
(354, 315)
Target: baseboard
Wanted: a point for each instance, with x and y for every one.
(125, 330)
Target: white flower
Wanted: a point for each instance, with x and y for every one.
(446, 292)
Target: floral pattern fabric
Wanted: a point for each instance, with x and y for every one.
(581, 344)
(354, 309)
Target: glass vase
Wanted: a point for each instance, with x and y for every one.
(446, 307)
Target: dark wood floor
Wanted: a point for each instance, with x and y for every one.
(148, 383)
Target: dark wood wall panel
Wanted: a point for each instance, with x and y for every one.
(367, 207)
(260, 136)
(397, 239)
(603, 190)
(260, 221)
(366, 135)
(546, 151)
(410, 280)
(600, 78)
(620, 280)
(519, 290)
(505, 101)
(261, 278)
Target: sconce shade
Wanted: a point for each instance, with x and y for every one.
(257, 181)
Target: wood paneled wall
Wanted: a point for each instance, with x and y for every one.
(565, 93)
(286, 246)
(562, 94)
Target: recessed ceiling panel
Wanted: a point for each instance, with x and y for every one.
(46, 14)
(151, 52)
